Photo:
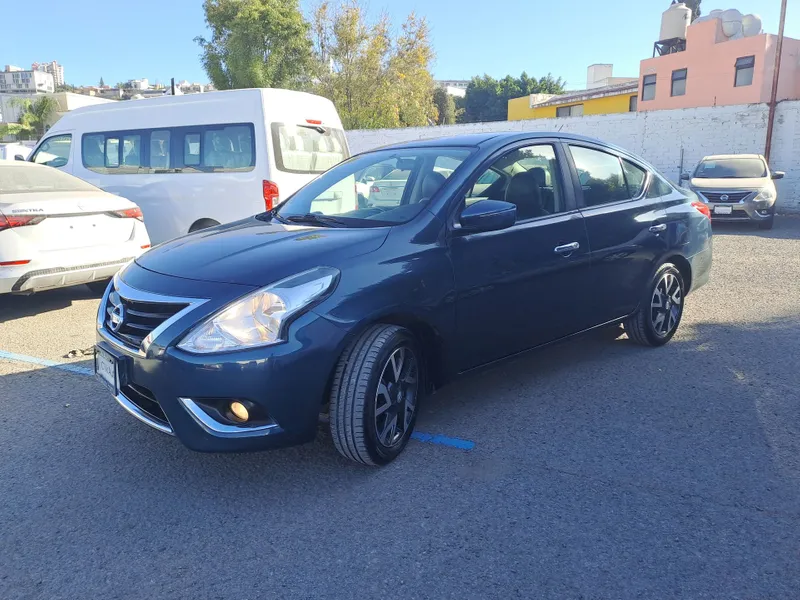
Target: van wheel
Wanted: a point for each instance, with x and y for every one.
(202, 224)
(660, 310)
(375, 393)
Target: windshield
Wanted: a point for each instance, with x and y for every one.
(307, 148)
(18, 179)
(731, 168)
(385, 187)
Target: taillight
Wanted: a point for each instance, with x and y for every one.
(18, 221)
(703, 209)
(14, 263)
(271, 195)
(374, 188)
(130, 213)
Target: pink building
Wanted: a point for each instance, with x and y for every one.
(715, 70)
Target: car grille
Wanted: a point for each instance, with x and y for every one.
(138, 318)
(732, 197)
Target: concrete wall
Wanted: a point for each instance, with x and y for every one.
(657, 136)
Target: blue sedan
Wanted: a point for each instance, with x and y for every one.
(238, 337)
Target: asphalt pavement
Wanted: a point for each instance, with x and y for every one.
(599, 470)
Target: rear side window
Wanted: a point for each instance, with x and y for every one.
(307, 148)
(200, 149)
(54, 151)
(600, 175)
(634, 178)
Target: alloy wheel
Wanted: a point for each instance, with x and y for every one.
(666, 305)
(396, 398)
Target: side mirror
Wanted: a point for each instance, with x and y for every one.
(488, 215)
(685, 177)
(19, 157)
(778, 174)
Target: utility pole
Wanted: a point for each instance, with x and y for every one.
(172, 84)
(773, 99)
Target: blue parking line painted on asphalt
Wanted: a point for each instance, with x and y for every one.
(43, 362)
(441, 440)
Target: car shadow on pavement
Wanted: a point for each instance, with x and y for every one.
(786, 227)
(18, 306)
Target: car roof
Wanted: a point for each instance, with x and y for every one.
(723, 156)
(500, 138)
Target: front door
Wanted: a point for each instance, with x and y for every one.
(520, 287)
(625, 224)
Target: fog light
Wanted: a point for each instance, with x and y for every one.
(240, 411)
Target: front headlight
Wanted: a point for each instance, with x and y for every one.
(260, 318)
(765, 195)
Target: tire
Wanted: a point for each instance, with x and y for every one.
(360, 414)
(768, 223)
(98, 288)
(652, 325)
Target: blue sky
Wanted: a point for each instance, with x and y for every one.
(153, 38)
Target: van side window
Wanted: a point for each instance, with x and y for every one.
(196, 149)
(159, 149)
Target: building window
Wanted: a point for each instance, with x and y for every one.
(648, 87)
(744, 71)
(633, 103)
(576, 110)
(678, 82)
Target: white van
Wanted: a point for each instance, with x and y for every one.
(199, 160)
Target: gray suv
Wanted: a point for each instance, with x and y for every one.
(736, 187)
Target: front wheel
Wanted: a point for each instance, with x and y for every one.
(374, 396)
(661, 309)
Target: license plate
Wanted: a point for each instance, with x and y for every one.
(723, 210)
(105, 368)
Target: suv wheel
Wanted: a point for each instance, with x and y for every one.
(661, 309)
(375, 394)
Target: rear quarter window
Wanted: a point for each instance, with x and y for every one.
(307, 148)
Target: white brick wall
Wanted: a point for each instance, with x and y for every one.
(657, 136)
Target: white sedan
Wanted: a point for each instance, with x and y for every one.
(57, 230)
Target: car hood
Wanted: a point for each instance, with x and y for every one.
(257, 253)
(754, 183)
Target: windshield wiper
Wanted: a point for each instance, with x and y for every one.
(315, 219)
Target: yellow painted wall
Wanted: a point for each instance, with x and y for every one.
(519, 108)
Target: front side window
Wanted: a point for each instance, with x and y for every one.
(648, 87)
(528, 178)
(600, 175)
(307, 148)
(678, 82)
(744, 71)
(54, 151)
(375, 189)
(731, 168)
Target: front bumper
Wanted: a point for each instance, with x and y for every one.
(744, 210)
(168, 388)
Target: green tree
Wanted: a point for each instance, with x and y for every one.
(695, 6)
(102, 83)
(446, 107)
(487, 98)
(373, 80)
(33, 118)
(255, 43)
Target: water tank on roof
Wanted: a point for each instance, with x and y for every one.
(674, 21)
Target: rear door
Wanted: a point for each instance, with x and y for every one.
(626, 227)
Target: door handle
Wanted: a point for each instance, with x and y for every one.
(658, 228)
(567, 249)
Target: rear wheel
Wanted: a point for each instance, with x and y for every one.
(661, 309)
(375, 393)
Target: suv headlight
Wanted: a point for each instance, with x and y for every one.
(261, 318)
(765, 195)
